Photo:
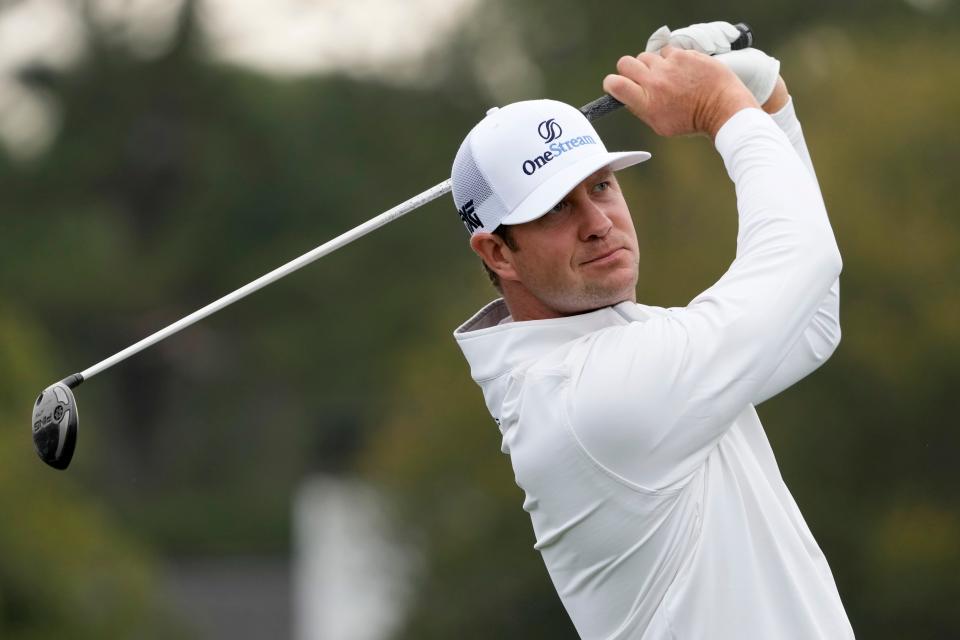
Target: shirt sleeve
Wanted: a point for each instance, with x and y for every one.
(650, 399)
(822, 335)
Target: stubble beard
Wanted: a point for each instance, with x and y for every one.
(589, 295)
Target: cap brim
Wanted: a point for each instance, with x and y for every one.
(555, 188)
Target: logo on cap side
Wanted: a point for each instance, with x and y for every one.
(469, 216)
(549, 130)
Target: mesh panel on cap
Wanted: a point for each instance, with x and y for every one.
(469, 185)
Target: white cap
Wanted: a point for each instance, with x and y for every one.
(523, 159)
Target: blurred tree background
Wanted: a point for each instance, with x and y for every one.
(171, 177)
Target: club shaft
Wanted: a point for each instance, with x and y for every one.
(343, 239)
(328, 247)
(592, 110)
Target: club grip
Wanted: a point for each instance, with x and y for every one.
(745, 40)
(607, 104)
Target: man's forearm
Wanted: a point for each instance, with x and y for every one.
(822, 336)
(786, 119)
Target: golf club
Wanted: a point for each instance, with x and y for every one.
(55, 420)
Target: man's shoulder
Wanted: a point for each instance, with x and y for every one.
(567, 355)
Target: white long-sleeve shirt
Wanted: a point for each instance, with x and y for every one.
(655, 498)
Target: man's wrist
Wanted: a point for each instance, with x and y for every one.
(778, 99)
(725, 107)
(745, 124)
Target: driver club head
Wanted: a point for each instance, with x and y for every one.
(54, 424)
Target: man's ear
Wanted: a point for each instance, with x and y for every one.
(495, 253)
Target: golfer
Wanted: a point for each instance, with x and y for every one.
(655, 497)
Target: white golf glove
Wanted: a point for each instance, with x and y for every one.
(757, 70)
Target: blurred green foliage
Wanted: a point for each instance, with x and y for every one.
(175, 181)
(67, 568)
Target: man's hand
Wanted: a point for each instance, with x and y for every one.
(758, 71)
(678, 92)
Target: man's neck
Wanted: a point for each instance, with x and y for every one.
(523, 305)
(529, 309)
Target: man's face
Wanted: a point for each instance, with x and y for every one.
(580, 256)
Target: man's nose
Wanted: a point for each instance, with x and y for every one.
(594, 221)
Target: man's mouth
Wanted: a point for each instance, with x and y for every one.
(607, 256)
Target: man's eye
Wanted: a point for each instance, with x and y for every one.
(557, 208)
(602, 186)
